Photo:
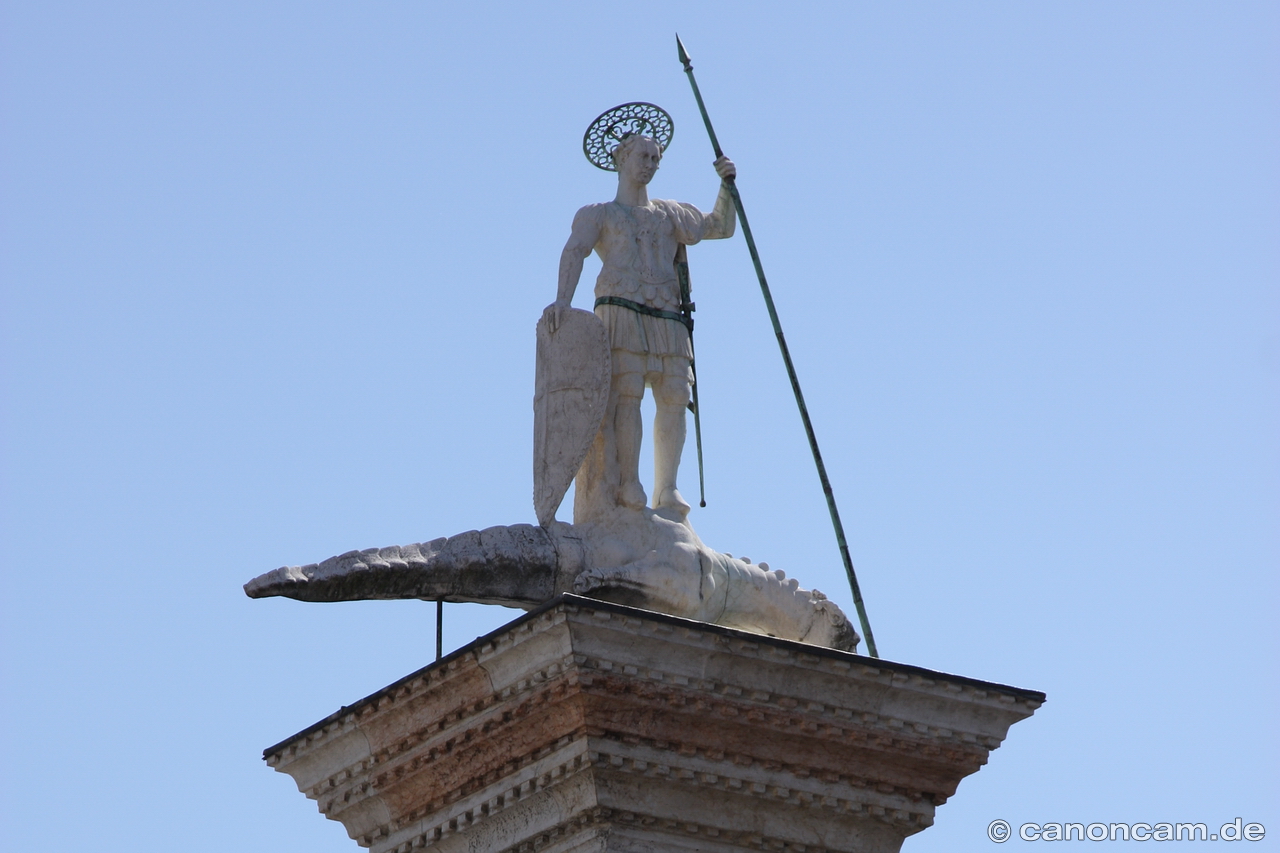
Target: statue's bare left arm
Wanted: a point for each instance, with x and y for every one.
(723, 219)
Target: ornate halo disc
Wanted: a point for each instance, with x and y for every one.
(612, 126)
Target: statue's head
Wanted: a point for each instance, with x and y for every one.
(637, 158)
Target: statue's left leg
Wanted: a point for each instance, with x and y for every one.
(671, 395)
(625, 394)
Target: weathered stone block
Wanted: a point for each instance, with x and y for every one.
(585, 725)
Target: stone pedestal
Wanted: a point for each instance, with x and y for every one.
(590, 726)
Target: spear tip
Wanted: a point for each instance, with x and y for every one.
(684, 54)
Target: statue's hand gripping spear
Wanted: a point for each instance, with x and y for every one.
(786, 358)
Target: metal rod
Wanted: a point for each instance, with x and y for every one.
(686, 308)
(439, 629)
(786, 358)
(697, 427)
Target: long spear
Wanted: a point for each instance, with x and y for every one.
(786, 358)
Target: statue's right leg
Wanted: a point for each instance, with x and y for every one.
(626, 391)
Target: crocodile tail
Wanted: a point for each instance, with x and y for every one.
(511, 565)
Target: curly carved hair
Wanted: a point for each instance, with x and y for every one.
(629, 142)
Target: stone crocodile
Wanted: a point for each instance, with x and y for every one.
(647, 561)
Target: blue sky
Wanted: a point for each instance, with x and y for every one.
(268, 283)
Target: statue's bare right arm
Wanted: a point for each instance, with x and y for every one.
(582, 240)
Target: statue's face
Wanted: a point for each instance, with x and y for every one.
(641, 162)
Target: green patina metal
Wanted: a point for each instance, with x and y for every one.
(617, 123)
(641, 308)
(786, 358)
(686, 308)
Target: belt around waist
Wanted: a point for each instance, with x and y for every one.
(641, 308)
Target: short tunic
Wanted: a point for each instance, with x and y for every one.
(638, 248)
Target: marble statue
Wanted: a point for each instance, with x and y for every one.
(591, 373)
(638, 299)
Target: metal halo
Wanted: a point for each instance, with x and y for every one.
(613, 126)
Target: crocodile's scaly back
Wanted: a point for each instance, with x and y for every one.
(513, 565)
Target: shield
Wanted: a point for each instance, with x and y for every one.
(571, 393)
